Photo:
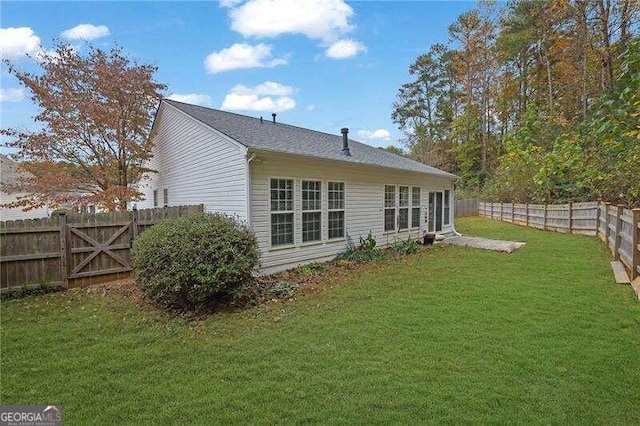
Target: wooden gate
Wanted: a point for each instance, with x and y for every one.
(75, 250)
(98, 247)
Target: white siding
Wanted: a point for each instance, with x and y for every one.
(364, 187)
(17, 213)
(196, 165)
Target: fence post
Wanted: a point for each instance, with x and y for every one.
(635, 243)
(526, 217)
(501, 210)
(607, 230)
(544, 221)
(598, 201)
(63, 250)
(512, 215)
(134, 223)
(618, 240)
(570, 216)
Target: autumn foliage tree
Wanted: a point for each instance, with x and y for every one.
(531, 101)
(95, 115)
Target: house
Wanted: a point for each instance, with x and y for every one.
(9, 174)
(303, 192)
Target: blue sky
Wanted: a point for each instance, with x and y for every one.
(322, 65)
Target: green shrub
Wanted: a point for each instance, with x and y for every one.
(310, 269)
(282, 290)
(404, 247)
(365, 251)
(195, 259)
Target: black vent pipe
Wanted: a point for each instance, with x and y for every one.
(345, 142)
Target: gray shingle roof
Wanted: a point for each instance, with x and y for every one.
(253, 133)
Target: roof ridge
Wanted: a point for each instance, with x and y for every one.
(255, 118)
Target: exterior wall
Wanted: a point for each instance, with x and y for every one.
(364, 209)
(10, 173)
(196, 165)
(17, 213)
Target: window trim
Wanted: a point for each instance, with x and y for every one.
(413, 206)
(271, 212)
(343, 210)
(407, 208)
(385, 208)
(303, 211)
(446, 207)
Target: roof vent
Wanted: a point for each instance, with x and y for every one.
(345, 142)
(260, 119)
(274, 117)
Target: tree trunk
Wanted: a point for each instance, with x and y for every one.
(607, 54)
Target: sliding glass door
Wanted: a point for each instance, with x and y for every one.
(439, 210)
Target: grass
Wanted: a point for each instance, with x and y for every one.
(452, 334)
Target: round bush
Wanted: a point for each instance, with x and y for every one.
(192, 260)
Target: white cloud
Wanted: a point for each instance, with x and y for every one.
(242, 55)
(310, 107)
(266, 88)
(86, 32)
(268, 96)
(17, 42)
(11, 95)
(191, 98)
(383, 134)
(343, 49)
(229, 3)
(322, 20)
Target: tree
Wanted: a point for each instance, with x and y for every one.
(416, 108)
(96, 111)
(394, 150)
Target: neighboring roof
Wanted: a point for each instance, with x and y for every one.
(264, 135)
(9, 171)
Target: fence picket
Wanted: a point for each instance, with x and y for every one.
(37, 252)
(616, 226)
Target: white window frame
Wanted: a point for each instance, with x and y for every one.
(316, 210)
(415, 206)
(292, 212)
(443, 215)
(446, 207)
(343, 210)
(406, 207)
(394, 207)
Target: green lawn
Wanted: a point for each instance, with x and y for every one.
(452, 334)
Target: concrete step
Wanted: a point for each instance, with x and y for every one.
(619, 272)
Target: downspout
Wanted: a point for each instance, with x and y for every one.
(248, 183)
(453, 204)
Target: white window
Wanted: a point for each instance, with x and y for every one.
(415, 207)
(403, 211)
(447, 208)
(281, 203)
(336, 209)
(389, 208)
(311, 211)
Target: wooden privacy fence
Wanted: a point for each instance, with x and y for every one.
(466, 207)
(617, 226)
(74, 250)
